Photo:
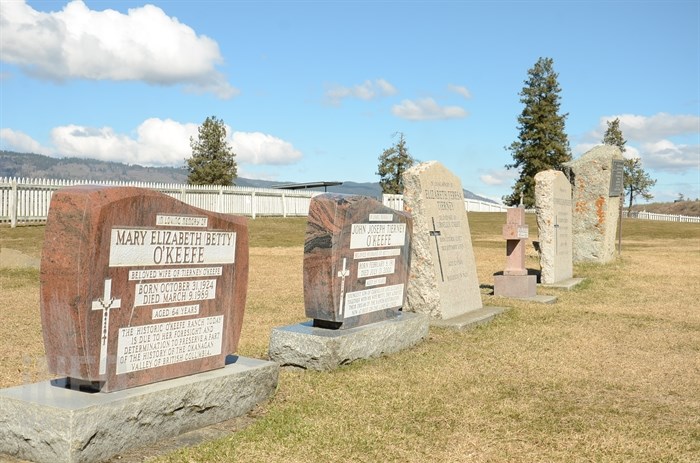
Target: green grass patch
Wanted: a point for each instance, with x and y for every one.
(276, 231)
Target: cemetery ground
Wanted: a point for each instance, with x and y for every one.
(609, 373)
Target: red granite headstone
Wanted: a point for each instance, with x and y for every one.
(138, 287)
(356, 261)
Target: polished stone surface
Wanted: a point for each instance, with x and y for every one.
(137, 287)
(356, 261)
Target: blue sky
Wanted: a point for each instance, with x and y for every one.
(316, 90)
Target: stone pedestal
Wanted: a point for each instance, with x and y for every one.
(515, 285)
(305, 346)
(49, 422)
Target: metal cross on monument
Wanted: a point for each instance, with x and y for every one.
(342, 274)
(105, 304)
(434, 232)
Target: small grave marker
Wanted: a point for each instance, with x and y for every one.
(515, 281)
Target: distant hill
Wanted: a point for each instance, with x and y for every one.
(27, 165)
(688, 208)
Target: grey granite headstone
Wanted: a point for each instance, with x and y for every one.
(595, 212)
(443, 281)
(553, 207)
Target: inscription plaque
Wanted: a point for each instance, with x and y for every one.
(617, 177)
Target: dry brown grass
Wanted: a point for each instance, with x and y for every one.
(610, 373)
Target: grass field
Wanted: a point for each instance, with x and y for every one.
(610, 373)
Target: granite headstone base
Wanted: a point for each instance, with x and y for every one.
(48, 422)
(305, 346)
(523, 287)
(470, 319)
(567, 284)
(515, 285)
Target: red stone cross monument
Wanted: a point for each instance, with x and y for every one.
(515, 281)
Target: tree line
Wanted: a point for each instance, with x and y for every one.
(542, 144)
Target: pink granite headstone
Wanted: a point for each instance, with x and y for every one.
(137, 287)
(356, 261)
(515, 281)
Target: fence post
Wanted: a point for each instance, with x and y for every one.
(284, 206)
(252, 205)
(13, 204)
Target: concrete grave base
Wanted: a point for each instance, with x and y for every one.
(567, 284)
(305, 346)
(469, 319)
(47, 422)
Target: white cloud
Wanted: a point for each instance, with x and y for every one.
(665, 155)
(426, 109)
(464, 91)
(144, 44)
(157, 143)
(658, 126)
(368, 90)
(650, 139)
(14, 140)
(259, 148)
(499, 176)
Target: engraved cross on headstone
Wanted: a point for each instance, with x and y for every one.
(342, 274)
(104, 304)
(556, 233)
(434, 232)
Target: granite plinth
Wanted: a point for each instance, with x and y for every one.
(515, 285)
(45, 422)
(305, 346)
(568, 284)
(470, 319)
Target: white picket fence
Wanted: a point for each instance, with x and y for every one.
(26, 201)
(470, 205)
(663, 217)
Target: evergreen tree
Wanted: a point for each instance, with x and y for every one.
(542, 142)
(636, 181)
(393, 162)
(213, 160)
